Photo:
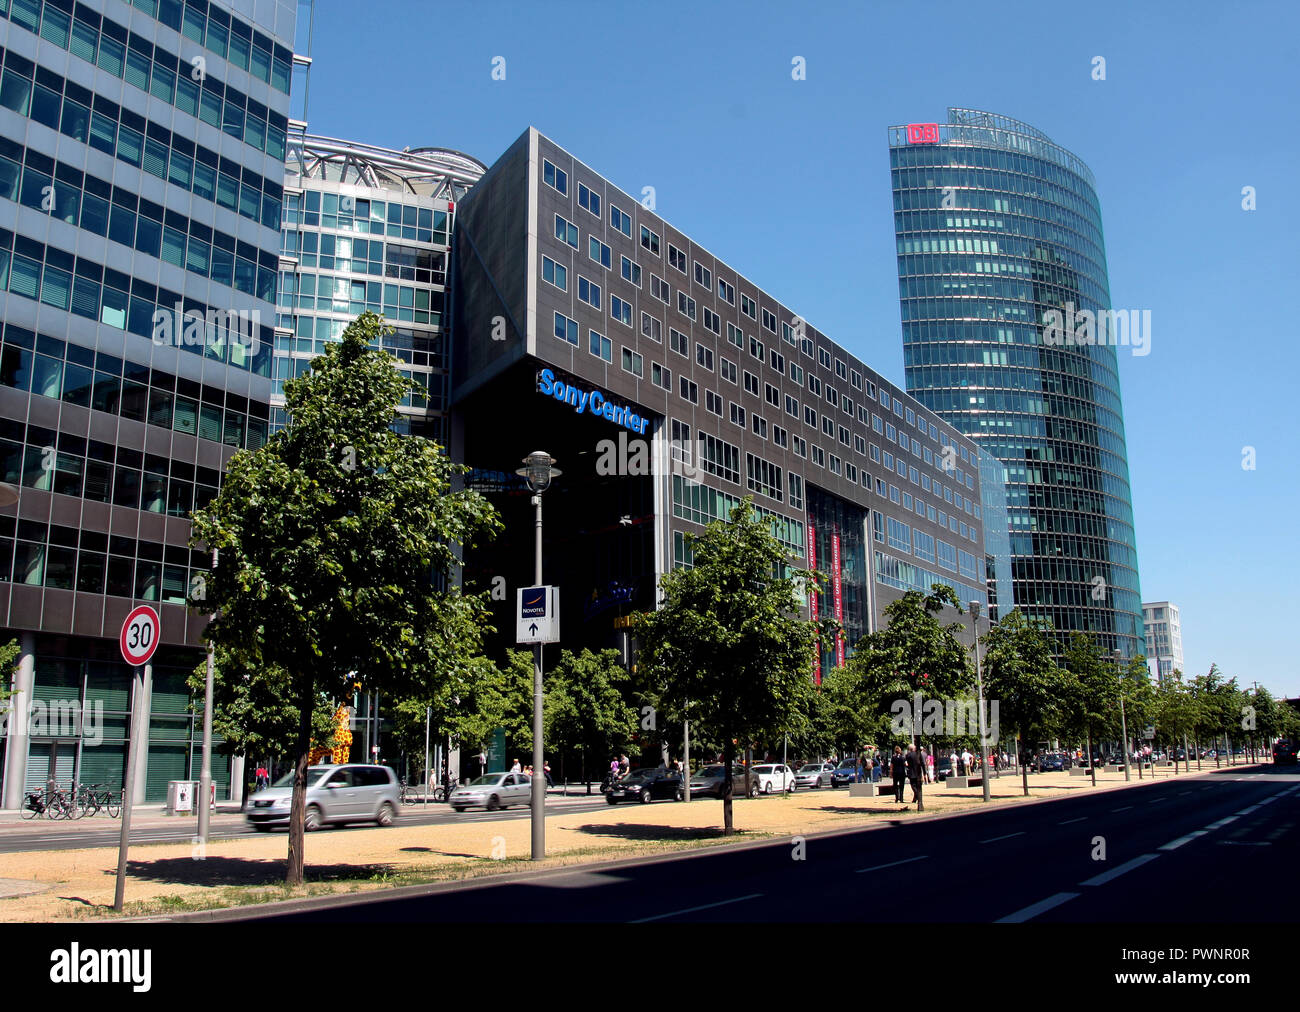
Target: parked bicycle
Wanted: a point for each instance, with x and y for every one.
(52, 803)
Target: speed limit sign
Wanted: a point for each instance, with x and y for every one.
(139, 638)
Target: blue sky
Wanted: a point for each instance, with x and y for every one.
(788, 181)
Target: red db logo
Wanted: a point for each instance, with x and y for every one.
(923, 133)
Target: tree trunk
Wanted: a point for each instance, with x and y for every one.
(297, 807)
(1024, 766)
(728, 757)
(1092, 766)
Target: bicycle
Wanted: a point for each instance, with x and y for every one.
(50, 803)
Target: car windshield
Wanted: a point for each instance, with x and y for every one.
(314, 775)
(764, 769)
(491, 780)
(847, 764)
(810, 768)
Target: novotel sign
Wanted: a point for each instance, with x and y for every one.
(592, 401)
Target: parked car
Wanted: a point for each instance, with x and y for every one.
(646, 785)
(493, 791)
(814, 775)
(708, 782)
(845, 773)
(943, 767)
(335, 794)
(773, 777)
(1053, 762)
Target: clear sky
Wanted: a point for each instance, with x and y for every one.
(788, 181)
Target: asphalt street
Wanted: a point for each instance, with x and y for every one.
(1217, 847)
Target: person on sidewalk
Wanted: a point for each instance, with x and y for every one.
(916, 774)
(929, 766)
(546, 771)
(898, 773)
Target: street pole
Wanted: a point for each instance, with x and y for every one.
(539, 796)
(135, 752)
(1123, 721)
(428, 773)
(205, 774)
(686, 758)
(979, 678)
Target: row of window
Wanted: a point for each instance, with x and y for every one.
(64, 558)
(132, 139)
(391, 218)
(75, 284)
(903, 575)
(48, 367)
(110, 211)
(702, 505)
(321, 293)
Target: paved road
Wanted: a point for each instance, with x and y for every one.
(100, 831)
(1169, 850)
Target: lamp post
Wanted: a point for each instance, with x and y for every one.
(1123, 721)
(979, 679)
(205, 771)
(538, 472)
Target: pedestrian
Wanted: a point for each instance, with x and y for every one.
(915, 773)
(898, 773)
(929, 766)
(546, 771)
(518, 767)
(623, 766)
(876, 770)
(966, 757)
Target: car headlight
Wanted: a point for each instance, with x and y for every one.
(283, 803)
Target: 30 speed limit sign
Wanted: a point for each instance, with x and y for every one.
(139, 637)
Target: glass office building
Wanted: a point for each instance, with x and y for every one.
(142, 150)
(996, 228)
(366, 228)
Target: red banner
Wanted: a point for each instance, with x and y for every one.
(812, 605)
(836, 595)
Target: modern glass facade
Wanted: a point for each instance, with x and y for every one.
(142, 150)
(996, 227)
(366, 228)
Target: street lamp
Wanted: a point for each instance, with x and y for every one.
(538, 472)
(1123, 721)
(979, 678)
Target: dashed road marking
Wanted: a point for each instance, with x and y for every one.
(1032, 911)
(691, 910)
(1175, 844)
(1007, 837)
(1115, 873)
(894, 864)
(1081, 818)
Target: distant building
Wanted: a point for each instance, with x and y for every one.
(1164, 636)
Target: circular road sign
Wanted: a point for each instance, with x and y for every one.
(139, 638)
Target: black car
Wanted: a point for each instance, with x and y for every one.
(943, 768)
(646, 785)
(1053, 762)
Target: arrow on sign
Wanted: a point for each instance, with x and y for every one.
(533, 628)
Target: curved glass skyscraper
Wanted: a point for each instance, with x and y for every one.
(997, 227)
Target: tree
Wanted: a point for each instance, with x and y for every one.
(334, 538)
(587, 708)
(727, 648)
(1175, 712)
(8, 655)
(1021, 675)
(1091, 692)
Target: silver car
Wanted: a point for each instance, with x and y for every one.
(814, 775)
(494, 791)
(335, 794)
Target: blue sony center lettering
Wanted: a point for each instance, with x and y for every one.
(580, 400)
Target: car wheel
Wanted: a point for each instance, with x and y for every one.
(311, 820)
(261, 828)
(767, 787)
(458, 808)
(680, 795)
(753, 790)
(645, 796)
(611, 799)
(385, 817)
(494, 804)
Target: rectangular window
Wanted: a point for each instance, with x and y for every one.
(796, 373)
(633, 363)
(756, 348)
(588, 200)
(630, 270)
(819, 456)
(814, 385)
(855, 378)
(776, 361)
(737, 414)
(588, 292)
(679, 342)
(704, 357)
(809, 416)
(676, 258)
(837, 465)
(800, 446)
(726, 292)
(752, 384)
(600, 346)
(685, 305)
(660, 376)
(555, 274)
(877, 424)
(652, 328)
(727, 369)
(703, 277)
(690, 391)
(620, 221)
(791, 406)
(650, 240)
(828, 427)
(735, 336)
(759, 425)
(713, 403)
(748, 307)
(712, 322)
(599, 252)
(566, 329)
(764, 477)
(769, 320)
(660, 290)
(555, 178)
(620, 310)
(772, 395)
(780, 437)
(893, 493)
(566, 231)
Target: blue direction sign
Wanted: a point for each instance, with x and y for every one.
(538, 618)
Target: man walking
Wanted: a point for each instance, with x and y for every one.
(916, 774)
(898, 772)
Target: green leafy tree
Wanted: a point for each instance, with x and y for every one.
(333, 539)
(1175, 711)
(1021, 675)
(1091, 693)
(587, 707)
(8, 656)
(728, 642)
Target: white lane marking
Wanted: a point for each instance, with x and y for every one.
(1007, 837)
(1210, 788)
(1245, 843)
(1029, 912)
(1081, 818)
(1222, 822)
(1183, 793)
(1124, 868)
(1175, 844)
(893, 864)
(691, 910)
(1125, 808)
(1247, 811)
